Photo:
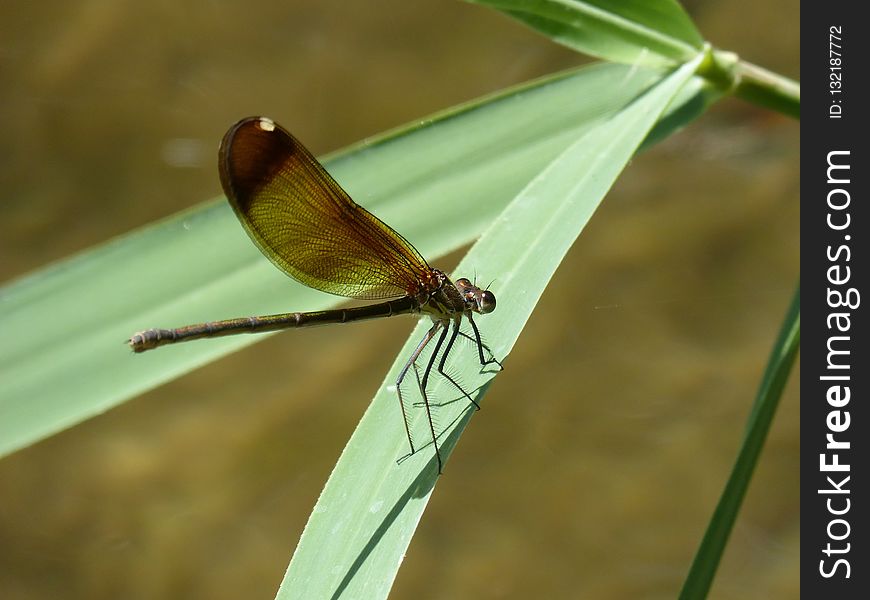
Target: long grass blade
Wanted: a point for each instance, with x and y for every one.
(782, 357)
(362, 524)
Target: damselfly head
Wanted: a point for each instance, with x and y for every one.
(481, 301)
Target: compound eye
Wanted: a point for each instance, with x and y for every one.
(487, 302)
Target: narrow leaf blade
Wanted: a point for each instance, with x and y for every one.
(62, 354)
(362, 524)
(652, 33)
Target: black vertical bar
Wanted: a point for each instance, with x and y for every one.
(835, 168)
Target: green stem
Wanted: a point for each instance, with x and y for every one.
(765, 88)
(751, 82)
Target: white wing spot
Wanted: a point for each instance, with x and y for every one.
(267, 124)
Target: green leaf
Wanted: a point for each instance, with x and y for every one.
(782, 357)
(62, 355)
(362, 524)
(648, 32)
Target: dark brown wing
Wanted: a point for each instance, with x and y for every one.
(303, 221)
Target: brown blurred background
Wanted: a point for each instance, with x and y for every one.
(602, 448)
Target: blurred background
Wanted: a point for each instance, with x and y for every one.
(601, 450)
